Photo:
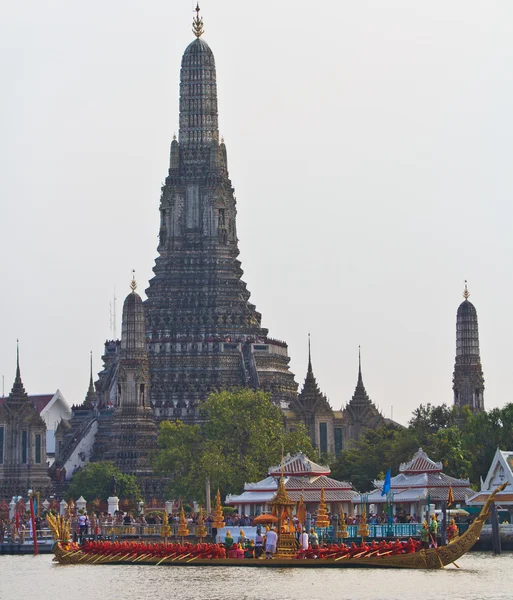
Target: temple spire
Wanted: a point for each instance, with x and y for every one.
(197, 23)
(133, 283)
(18, 391)
(198, 101)
(468, 379)
(91, 387)
(360, 364)
(18, 375)
(310, 370)
(466, 293)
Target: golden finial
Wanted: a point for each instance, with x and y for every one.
(466, 293)
(222, 139)
(133, 283)
(174, 136)
(197, 23)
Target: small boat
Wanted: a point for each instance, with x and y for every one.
(203, 555)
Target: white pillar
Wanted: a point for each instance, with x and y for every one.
(169, 507)
(81, 503)
(12, 506)
(63, 507)
(207, 496)
(113, 502)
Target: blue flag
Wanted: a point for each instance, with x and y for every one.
(386, 484)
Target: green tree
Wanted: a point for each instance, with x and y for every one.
(177, 458)
(244, 434)
(375, 451)
(94, 480)
(482, 433)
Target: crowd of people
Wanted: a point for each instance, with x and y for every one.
(19, 528)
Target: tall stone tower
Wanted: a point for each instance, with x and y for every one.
(133, 433)
(468, 380)
(203, 332)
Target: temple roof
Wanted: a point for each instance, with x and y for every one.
(301, 477)
(361, 409)
(420, 463)
(298, 465)
(419, 478)
(360, 395)
(39, 402)
(18, 405)
(311, 398)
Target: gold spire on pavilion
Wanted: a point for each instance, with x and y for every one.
(197, 23)
(201, 530)
(466, 293)
(133, 283)
(282, 498)
(342, 525)
(182, 525)
(165, 530)
(363, 529)
(322, 514)
(301, 510)
(218, 522)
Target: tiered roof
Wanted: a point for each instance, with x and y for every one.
(298, 465)
(361, 409)
(302, 477)
(419, 478)
(311, 399)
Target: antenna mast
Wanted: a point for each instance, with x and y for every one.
(114, 328)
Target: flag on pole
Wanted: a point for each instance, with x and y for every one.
(450, 497)
(386, 484)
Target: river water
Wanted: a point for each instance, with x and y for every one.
(481, 576)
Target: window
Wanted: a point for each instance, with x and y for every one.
(1, 445)
(24, 447)
(338, 440)
(323, 438)
(38, 448)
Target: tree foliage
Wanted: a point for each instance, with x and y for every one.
(463, 442)
(243, 435)
(94, 480)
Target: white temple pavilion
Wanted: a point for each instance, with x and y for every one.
(302, 477)
(420, 480)
(501, 471)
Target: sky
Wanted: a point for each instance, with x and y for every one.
(370, 147)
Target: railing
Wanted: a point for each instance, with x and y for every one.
(395, 530)
(44, 536)
(140, 530)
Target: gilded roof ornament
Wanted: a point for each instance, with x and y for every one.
(466, 293)
(133, 283)
(197, 23)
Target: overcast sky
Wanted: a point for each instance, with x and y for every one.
(370, 146)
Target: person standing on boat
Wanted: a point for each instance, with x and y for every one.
(271, 539)
(228, 540)
(259, 544)
(304, 540)
(433, 530)
(424, 536)
(242, 538)
(314, 538)
(452, 531)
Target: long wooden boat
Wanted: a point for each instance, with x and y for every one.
(433, 558)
